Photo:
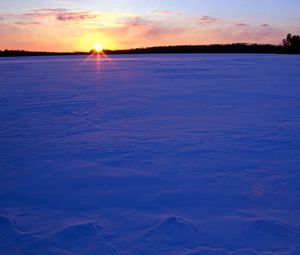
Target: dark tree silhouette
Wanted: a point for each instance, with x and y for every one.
(292, 41)
(291, 45)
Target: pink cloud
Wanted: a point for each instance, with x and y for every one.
(206, 20)
(242, 25)
(75, 16)
(60, 14)
(55, 10)
(21, 23)
(164, 13)
(135, 21)
(146, 27)
(140, 32)
(249, 34)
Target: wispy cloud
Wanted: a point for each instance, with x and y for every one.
(21, 23)
(164, 13)
(140, 31)
(61, 2)
(249, 34)
(143, 27)
(76, 16)
(60, 14)
(206, 20)
(54, 10)
(242, 25)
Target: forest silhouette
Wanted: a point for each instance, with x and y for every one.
(290, 45)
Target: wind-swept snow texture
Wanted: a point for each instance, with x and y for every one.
(155, 154)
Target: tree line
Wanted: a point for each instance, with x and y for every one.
(290, 45)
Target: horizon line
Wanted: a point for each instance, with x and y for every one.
(147, 47)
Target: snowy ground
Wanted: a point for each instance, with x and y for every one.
(162, 154)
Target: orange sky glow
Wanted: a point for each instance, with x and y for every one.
(74, 28)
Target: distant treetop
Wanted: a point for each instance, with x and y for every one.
(292, 41)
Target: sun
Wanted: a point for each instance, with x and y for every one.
(98, 47)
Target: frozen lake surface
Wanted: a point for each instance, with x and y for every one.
(150, 154)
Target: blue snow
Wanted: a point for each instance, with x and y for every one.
(150, 154)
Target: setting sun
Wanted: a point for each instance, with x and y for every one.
(98, 47)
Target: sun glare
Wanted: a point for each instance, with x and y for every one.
(98, 47)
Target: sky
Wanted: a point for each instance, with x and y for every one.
(75, 25)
